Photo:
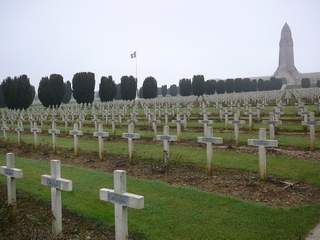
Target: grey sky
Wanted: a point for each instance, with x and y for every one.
(173, 38)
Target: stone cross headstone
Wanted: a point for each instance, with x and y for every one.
(130, 135)
(12, 174)
(205, 122)
(166, 138)
(178, 122)
(208, 139)
(75, 133)
(262, 143)
(250, 113)
(312, 123)
(236, 122)
(122, 201)
(53, 131)
(100, 134)
(226, 114)
(272, 123)
(19, 129)
(35, 130)
(57, 184)
(4, 129)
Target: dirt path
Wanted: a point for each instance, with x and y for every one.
(314, 234)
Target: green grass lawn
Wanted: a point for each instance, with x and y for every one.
(172, 212)
(278, 165)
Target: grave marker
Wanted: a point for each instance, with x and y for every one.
(12, 174)
(262, 143)
(100, 134)
(130, 136)
(208, 139)
(122, 201)
(75, 132)
(166, 138)
(57, 184)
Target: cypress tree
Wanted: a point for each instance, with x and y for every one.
(185, 87)
(198, 85)
(173, 90)
(305, 83)
(107, 89)
(83, 87)
(51, 90)
(128, 88)
(149, 88)
(68, 92)
(18, 93)
(164, 90)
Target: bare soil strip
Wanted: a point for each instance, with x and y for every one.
(33, 221)
(240, 184)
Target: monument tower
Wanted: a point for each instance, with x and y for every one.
(286, 68)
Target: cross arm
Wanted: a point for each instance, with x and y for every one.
(125, 199)
(265, 143)
(59, 183)
(11, 172)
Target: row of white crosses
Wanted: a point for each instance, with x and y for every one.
(119, 196)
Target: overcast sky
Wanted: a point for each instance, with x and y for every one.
(174, 39)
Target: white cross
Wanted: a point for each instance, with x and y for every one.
(205, 122)
(272, 124)
(178, 122)
(57, 185)
(75, 132)
(262, 143)
(208, 139)
(19, 129)
(54, 131)
(312, 123)
(4, 129)
(11, 173)
(122, 201)
(226, 117)
(236, 122)
(100, 134)
(166, 138)
(130, 135)
(35, 130)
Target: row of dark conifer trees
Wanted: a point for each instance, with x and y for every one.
(18, 93)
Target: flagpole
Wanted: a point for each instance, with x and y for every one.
(137, 73)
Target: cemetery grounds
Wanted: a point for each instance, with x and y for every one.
(181, 200)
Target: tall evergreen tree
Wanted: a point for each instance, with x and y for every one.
(68, 92)
(229, 85)
(18, 92)
(51, 90)
(107, 89)
(128, 88)
(210, 87)
(318, 83)
(2, 102)
(198, 85)
(150, 88)
(164, 90)
(83, 87)
(185, 87)
(220, 86)
(173, 90)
